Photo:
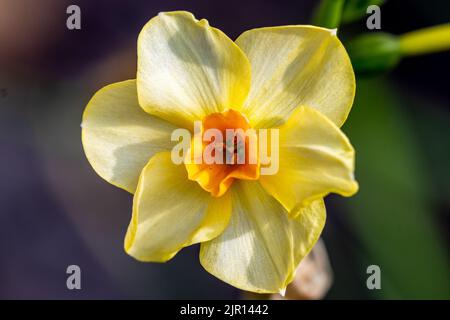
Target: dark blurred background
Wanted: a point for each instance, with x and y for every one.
(55, 211)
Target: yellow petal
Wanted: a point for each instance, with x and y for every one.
(119, 137)
(261, 248)
(171, 212)
(187, 69)
(293, 66)
(315, 159)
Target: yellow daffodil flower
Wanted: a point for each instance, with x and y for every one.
(254, 229)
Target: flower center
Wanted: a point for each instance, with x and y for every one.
(229, 151)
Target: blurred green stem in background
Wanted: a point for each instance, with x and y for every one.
(377, 52)
(328, 13)
(428, 40)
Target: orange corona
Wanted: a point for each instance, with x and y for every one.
(236, 153)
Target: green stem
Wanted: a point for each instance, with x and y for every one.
(328, 14)
(428, 40)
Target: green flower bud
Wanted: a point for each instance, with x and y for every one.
(374, 53)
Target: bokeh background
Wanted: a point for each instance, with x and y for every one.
(55, 211)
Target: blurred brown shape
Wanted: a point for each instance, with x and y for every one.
(313, 278)
(27, 27)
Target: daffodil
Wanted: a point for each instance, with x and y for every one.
(254, 229)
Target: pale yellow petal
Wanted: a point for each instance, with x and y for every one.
(261, 248)
(171, 212)
(315, 159)
(297, 65)
(188, 69)
(119, 137)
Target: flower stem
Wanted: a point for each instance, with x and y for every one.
(328, 14)
(428, 40)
